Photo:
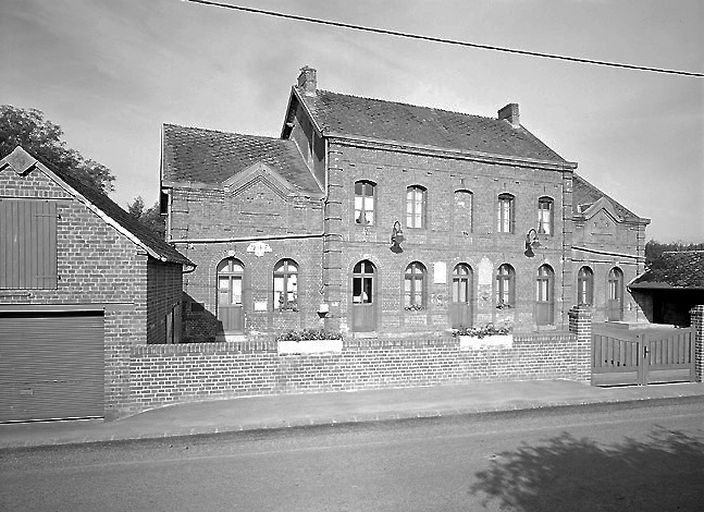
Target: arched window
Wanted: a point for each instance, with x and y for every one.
(363, 282)
(545, 296)
(415, 206)
(286, 286)
(463, 211)
(505, 287)
(585, 286)
(615, 294)
(364, 202)
(414, 286)
(545, 216)
(505, 214)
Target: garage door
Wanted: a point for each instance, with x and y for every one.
(51, 365)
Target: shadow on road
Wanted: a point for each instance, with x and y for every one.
(663, 473)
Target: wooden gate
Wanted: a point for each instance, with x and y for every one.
(623, 356)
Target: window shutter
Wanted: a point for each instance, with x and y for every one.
(27, 244)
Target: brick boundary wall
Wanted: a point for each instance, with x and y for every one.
(697, 320)
(168, 374)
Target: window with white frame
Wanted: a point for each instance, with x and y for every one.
(505, 286)
(505, 213)
(286, 286)
(415, 206)
(414, 287)
(545, 216)
(364, 202)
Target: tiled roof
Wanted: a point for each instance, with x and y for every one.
(21, 161)
(210, 156)
(684, 269)
(584, 194)
(343, 114)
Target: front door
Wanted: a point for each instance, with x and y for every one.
(614, 302)
(461, 307)
(363, 289)
(230, 284)
(544, 301)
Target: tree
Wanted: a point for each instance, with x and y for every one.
(42, 138)
(653, 249)
(151, 217)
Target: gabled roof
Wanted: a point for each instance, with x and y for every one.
(22, 162)
(210, 156)
(587, 199)
(680, 270)
(347, 115)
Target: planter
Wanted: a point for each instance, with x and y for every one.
(289, 347)
(497, 341)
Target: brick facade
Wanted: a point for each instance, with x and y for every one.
(220, 203)
(98, 267)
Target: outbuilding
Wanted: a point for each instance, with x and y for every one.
(81, 281)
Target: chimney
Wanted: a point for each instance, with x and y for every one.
(307, 81)
(510, 114)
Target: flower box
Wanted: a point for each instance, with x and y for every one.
(493, 341)
(289, 347)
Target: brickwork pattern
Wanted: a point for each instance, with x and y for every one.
(581, 327)
(443, 239)
(167, 374)
(97, 265)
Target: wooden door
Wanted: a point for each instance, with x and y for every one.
(544, 296)
(614, 300)
(363, 297)
(461, 306)
(230, 285)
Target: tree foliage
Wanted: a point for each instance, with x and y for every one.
(653, 249)
(150, 217)
(43, 139)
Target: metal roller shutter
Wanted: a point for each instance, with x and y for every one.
(51, 365)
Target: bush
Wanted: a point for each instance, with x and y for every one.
(309, 334)
(481, 332)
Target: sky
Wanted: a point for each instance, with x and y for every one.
(111, 72)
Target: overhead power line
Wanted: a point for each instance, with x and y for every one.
(441, 39)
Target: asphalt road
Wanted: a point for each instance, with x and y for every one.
(644, 458)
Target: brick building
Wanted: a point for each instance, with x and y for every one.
(81, 281)
(382, 219)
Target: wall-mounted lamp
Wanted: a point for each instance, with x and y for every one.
(532, 242)
(397, 237)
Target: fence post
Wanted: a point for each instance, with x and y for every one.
(581, 326)
(697, 320)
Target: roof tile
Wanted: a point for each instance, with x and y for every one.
(211, 156)
(344, 114)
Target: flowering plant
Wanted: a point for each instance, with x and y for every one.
(481, 332)
(309, 334)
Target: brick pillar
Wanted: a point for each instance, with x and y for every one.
(581, 326)
(697, 320)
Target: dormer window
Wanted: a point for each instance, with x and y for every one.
(364, 203)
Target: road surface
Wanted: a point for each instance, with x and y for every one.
(605, 458)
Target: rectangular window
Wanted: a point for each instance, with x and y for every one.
(505, 214)
(28, 244)
(364, 202)
(545, 216)
(415, 207)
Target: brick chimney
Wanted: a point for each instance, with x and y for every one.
(308, 81)
(510, 114)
